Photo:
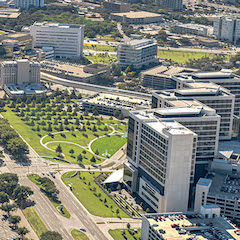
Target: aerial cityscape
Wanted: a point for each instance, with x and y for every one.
(119, 120)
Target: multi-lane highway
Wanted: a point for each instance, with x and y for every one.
(93, 87)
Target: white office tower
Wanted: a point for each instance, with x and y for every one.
(137, 53)
(66, 39)
(20, 72)
(26, 4)
(161, 160)
(227, 28)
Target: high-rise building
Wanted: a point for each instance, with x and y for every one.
(137, 53)
(209, 94)
(227, 28)
(161, 160)
(66, 39)
(171, 4)
(20, 72)
(26, 4)
(225, 78)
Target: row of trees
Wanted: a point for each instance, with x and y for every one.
(11, 141)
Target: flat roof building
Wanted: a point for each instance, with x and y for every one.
(108, 103)
(195, 29)
(204, 224)
(140, 17)
(160, 77)
(209, 94)
(225, 78)
(117, 6)
(137, 53)
(66, 39)
(21, 76)
(161, 160)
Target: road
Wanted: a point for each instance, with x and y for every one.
(125, 37)
(93, 87)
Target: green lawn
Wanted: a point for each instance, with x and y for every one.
(112, 143)
(117, 234)
(34, 179)
(91, 202)
(100, 58)
(183, 56)
(35, 221)
(101, 48)
(27, 133)
(78, 235)
(77, 150)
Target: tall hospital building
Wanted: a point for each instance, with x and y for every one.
(65, 39)
(161, 152)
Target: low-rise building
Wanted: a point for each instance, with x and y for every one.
(137, 53)
(9, 13)
(83, 73)
(171, 4)
(136, 17)
(108, 104)
(160, 77)
(204, 224)
(195, 29)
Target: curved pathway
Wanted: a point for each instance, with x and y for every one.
(87, 148)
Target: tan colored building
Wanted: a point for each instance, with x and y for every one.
(136, 17)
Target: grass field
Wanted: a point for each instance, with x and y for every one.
(112, 143)
(91, 202)
(35, 221)
(183, 56)
(34, 120)
(34, 179)
(100, 58)
(78, 235)
(117, 234)
(101, 48)
(27, 133)
(72, 158)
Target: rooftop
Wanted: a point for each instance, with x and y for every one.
(120, 102)
(191, 225)
(167, 71)
(9, 13)
(57, 25)
(204, 182)
(29, 89)
(140, 14)
(224, 185)
(194, 26)
(68, 69)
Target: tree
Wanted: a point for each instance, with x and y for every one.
(49, 235)
(61, 127)
(71, 151)
(94, 129)
(79, 158)
(14, 220)
(97, 152)
(93, 159)
(4, 198)
(69, 108)
(117, 211)
(66, 121)
(116, 113)
(77, 122)
(59, 149)
(49, 129)
(128, 226)
(95, 111)
(21, 193)
(7, 207)
(121, 116)
(85, 113)
(22, 231)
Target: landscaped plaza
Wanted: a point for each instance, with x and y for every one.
(56, 128)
